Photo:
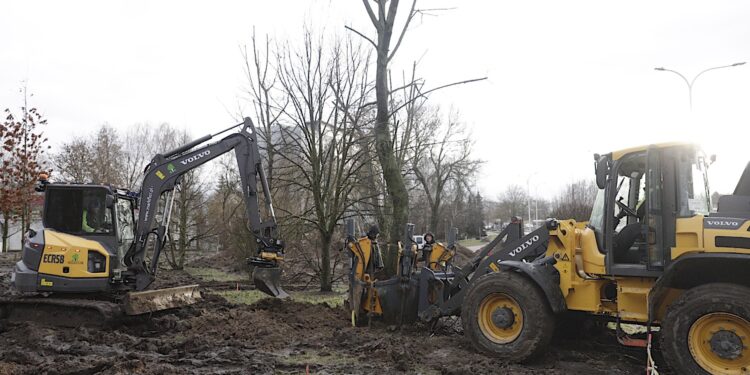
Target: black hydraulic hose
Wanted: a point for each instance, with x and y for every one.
(196, 142)
(187, 146)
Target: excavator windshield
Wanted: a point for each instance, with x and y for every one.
(79, 210)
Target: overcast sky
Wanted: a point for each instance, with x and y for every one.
(566, 79)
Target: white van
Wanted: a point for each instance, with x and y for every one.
(419, 240)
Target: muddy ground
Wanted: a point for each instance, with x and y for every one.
(274, 336)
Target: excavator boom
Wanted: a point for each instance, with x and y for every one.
(163, 174)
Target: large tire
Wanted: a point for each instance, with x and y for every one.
(707, 330)
(491, 300)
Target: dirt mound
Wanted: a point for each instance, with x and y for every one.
(222, 260)
(463, 255)
(167, 278)
(272, 336)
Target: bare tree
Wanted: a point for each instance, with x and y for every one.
(575, 201)
(384, 19)
(107, 166)
(262, 81)
(442, 159)
(322, 148)
(513, 202)
(138, 147)
(73, 161)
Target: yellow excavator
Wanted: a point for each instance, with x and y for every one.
(652, 253)
(99, 247)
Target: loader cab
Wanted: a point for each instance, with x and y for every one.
(642, 192)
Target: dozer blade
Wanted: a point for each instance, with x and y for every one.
(147, 301)
(268, 280)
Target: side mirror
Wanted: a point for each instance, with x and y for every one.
(602, 168)
(712, 158)
(109, 201)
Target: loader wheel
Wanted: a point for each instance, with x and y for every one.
(707, 330)
(506, 315)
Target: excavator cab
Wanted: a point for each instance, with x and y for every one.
(78, 247)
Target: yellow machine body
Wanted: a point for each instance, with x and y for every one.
(654, 251)
(66, 255)
(440, 256)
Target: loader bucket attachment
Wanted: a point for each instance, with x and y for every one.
(268, 280)
(148, 301)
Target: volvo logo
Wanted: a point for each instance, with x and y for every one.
(195, 157)
(723, 223)
(148, 203)
(524, 246)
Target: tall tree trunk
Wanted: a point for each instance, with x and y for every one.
(395, 186)
(182, 241)
(23, 225)
(25, 220)
(325, 262)
(6, 222)
(435, 220)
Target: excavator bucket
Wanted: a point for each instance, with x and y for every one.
(268, 280)
(148, 301)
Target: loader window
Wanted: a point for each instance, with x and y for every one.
(694, 196)
(623, 193)
(629, 210)
(597, 212)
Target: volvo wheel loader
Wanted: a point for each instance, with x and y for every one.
(99, 248)
(652, 253)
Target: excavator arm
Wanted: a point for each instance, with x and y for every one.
(163, 174)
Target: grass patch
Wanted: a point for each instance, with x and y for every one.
(212, 274)
(242, 297)
(248, 297)
(333, 299)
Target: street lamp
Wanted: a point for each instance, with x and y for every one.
(528, 195)
(690, 83)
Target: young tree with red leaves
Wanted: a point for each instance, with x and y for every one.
(22, 160)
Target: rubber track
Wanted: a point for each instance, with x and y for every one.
(61, 311)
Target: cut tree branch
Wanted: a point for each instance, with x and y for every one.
(362, 35)
(423, 94)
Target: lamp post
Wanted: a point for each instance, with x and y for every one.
(692, 82)
(528, 195)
